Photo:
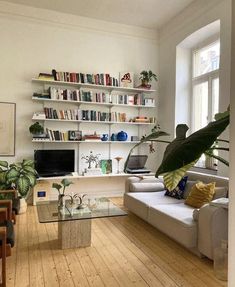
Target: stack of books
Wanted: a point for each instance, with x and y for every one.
(45, 77)
(92, 137)
(141, 119)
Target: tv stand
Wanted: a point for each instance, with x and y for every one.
(54, 174)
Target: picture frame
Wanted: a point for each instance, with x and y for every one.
(7, 128)
(75, 135)
(126, 79)
(106, 166)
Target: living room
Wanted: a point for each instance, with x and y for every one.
(42, 42)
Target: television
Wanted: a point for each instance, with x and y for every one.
(50, 163)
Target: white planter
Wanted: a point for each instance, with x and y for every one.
(23, 206)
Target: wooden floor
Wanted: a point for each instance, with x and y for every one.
(125, 251)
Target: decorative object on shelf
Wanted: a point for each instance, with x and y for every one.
(92, 137)
(146, 78)
(64, 183)
(106, 166)
(105, 137)
(20, 176)
(37, 130)
(126, 79)
(91, 158)
(118, 159)
(7, 128)
(134, 138)
(122, 136)
(75, 135)
(113, 137)
(221, 261)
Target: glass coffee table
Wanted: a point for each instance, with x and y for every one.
(74, 225)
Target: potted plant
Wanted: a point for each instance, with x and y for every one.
(36, 130)
(20, 176)
(64, 183)
(146, 78)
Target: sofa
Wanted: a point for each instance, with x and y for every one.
(199, 230)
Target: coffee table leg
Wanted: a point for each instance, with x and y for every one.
(74, 233)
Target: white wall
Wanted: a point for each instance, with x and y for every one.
(36, 40)
(197, 15)
(231, 273)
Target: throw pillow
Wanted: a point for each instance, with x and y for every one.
(178, 192)
(200, 194)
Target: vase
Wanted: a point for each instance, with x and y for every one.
(60, 201)
(23, 205)
(105, 137)
(122, 136)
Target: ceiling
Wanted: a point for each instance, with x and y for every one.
(143, 13)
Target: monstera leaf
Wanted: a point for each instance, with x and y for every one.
(182, 153)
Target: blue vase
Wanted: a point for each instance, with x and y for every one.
(122, 136)
(113, 137)
(105, 137)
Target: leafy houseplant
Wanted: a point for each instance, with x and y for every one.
(146, 78)
(36, 129)
(20, 176)
(183, 152)
(61, 189)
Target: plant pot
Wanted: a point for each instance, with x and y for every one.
(23, 206)
(145, 84)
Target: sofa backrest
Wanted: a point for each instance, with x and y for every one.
(206, 178)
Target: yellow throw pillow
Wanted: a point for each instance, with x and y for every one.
(200, 194)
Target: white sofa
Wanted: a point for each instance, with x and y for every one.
(199, 230)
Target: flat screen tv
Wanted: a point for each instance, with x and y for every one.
(54, 162)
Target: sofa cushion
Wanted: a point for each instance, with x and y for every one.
(146, 186)
(176, 221)
(178, 192)
(200, 194)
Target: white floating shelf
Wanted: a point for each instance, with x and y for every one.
(88, 141)
(91, 103)
(93, 86)
(91, 122)
(78, 176)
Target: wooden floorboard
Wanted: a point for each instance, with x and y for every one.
(125, 251)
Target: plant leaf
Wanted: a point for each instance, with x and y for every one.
(3, 178)
(12, 174)
(57, 186)
(28, 162)
(30, 169)
(66, 182)
(192, 147)
(32, 179)
(4, 163)
(23, 185)
(171, 179)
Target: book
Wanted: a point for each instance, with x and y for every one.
(106, 166)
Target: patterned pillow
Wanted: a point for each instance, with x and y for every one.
(178, 192)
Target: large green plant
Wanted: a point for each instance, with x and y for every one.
(183, 152)
(20, 176)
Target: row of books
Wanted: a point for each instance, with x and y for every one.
(55, 135)
(97, 79)
(87, 115)
(89, 96)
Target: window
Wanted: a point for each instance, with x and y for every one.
(205, 88)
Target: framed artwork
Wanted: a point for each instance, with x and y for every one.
(106, 166)
(75, 135)
(126, 79)
(7, 128)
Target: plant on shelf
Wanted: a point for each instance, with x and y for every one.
(60, 187)
(36, 129)
(183, 152)
(146, 78)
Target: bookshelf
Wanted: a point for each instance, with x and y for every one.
(139, 128)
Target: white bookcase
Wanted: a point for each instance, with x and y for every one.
(108, 148)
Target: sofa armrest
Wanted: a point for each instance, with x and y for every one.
(139, 180)
(212, 227)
